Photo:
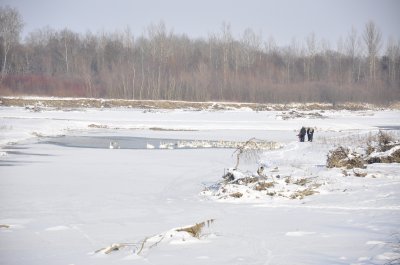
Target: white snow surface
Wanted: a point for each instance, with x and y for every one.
(59, 205)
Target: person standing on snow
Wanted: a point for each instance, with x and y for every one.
(310, 134)
(302, 134)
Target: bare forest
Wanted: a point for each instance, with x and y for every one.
(162, 65)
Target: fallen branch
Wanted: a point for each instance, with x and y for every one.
(194, 231)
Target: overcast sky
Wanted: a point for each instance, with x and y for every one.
(281, 19)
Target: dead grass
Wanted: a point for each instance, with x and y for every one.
(336, 157)
(288, 179)
(196, 230)
(246, 180)
(393, 158)
(360, 174)
(98, 126)
(301, 182)
(384, 141)
(262, 185)
(300, 194)
(296, 114)
(341, 157)
(68, 103)
(374, 147)
(236, 195)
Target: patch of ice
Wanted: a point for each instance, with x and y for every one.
(57, 228)
(299, 233)
(389, 256)
(375, 242)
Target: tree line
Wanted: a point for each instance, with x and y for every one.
(162, 65)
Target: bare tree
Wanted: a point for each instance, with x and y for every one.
(226, 40)
(353, 51)
(11, 25)
(340, 55)
(67, 40)
(248, 150)
(289, 55)
(162, 65)
(311, 53)
(251, 46)
(393, 54)
(372, 37)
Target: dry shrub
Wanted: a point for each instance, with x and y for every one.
(113, 247)
(195, 230)
(295, 115)
(392, 158)
(374, 146)
(356, 162)
(381, 142)
(300, 194)
(246, 180)
(335, 157)
(98, 126)
(384, 140)
(236, 195)
(340, 157)
(301, 182)
(359, 173)
(263, 186)
(370, 149)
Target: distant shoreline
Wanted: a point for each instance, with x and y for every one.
(65, 103)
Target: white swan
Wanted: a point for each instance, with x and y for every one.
(164, 145)
(114, 145)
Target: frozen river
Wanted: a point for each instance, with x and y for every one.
(63, 198)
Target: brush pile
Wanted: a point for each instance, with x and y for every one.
(381, 148)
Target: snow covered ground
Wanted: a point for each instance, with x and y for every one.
(69, 205)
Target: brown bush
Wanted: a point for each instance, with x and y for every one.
(236, 195)
(340, 157)
(300, 194)
(392, 158)
(196, 230)
(263, 186)
(384, 140)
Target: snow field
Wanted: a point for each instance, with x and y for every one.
(62, 204)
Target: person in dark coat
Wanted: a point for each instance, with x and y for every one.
(302, 134)
(310, 134)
